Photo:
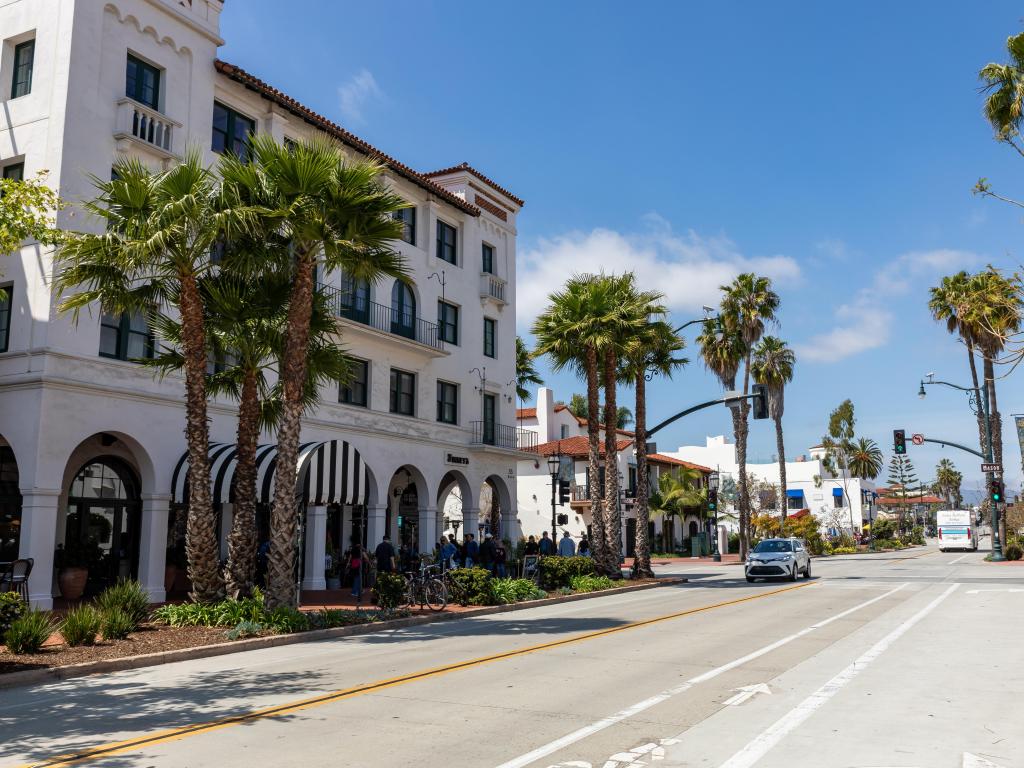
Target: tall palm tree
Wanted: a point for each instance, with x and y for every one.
(947, 482)
(773, 366)
(526, 370)
(865, 458)
(155, 249)
(651, 352)
(1004, 83)
(322, 208)
(678, 490)
(748, 304)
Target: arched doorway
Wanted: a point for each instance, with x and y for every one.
(10, 505)
(104, 511)
(403, 310)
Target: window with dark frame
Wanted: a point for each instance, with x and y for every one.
(14, 171)
(5, 316)
(446, 242)
(231, 131)
(447, 402)
(408, 218)
(142, 82)
(489, 328)
(126, 336)
(356, 390)
(448, 322)
(403, 392)
(487, 259)
(490, 417)
(24, 58)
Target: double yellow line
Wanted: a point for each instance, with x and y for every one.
(173, 734)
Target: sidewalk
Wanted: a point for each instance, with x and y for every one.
(731, 559)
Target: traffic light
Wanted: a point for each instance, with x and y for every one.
(996, 490)
(899, 441)
(760, 401)
(563, 519)
(712, 499)
(563, 492)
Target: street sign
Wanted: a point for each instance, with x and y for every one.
(917, 438)
(992, 468)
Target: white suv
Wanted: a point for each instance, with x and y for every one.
(773, 558)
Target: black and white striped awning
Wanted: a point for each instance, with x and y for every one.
(330, 472)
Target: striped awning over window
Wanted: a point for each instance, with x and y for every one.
(330, 472)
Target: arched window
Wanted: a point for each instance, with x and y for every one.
(403, 310)
(355, 299)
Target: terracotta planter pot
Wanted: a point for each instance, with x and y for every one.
(72, 582)
(170, 575)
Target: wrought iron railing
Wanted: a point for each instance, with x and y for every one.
(502, 436)
(357, 307)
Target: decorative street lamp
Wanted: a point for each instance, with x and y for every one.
(554, 464)
(977, 399)
(713, 482)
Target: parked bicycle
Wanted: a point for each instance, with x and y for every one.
(426, 589)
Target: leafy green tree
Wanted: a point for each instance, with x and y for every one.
(773, 366)
(526, 370)
(154, 251)
(839, 446)
(578, 407)
(28, 210)
(317, 207)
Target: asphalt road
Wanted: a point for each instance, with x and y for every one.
(901, 659)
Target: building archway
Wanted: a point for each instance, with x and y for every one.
(10, 504)
(455, 502)
(496, 511)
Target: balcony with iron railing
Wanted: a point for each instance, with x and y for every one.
(146, 128)
(502, 436)
(403, 323)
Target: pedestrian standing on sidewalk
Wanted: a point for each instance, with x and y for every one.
(487, 552)
(500, 556)
(355, 568)
(448, 550)
(531, 547)
(547, 546)
(385, 555)
(472, 550)
(584, 548)
(566, 547)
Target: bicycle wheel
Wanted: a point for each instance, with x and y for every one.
(434, 594)
(410, 592)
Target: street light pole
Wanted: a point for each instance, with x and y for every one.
(554, 463)
(982, 399)
(713, 482)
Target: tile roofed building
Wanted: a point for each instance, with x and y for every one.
(661, 458)
(470, 169)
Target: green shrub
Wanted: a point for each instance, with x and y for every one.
(389, 590)
(117, 625)
(883, 529)
(473, 586)
(828, 549)
(844, 551)
(917, 535)
(516, 590)
(81, 625)
(591, 583)
(27, 633)
(12, 607)
(559, 571)
(1014, 551)
(284, 620)
(127, 596)
(245, 629)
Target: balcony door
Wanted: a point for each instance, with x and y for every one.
(490, 419)
(403, 310)
(355, 299)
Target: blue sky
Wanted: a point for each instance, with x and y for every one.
(831, 147)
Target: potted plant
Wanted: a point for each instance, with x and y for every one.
(74, 559)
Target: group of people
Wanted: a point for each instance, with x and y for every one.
(490, 554)
(566, 546)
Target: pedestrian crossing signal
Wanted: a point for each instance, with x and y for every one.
(899, 441)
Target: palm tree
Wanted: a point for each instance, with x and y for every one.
(155, 250)
(677, 491)
(865, 458)
(947, 482)
(649, 353)
(749, 302)
(1004, 83)
(773, 366)
(526, 370)
(322, 208)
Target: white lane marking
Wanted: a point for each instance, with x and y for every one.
(782, 727)
(746, 692)
(640, 706)
(973, 761)
(1000, 589)
(954, 562)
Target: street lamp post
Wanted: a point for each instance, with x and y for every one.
(980, 398)
(713, 482)
(554, 463)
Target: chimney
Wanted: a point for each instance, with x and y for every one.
(546, 414)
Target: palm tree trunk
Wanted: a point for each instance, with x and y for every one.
(642, 555)
(281, 560)
(780, 446)
(613, 516)
(974, 382)
(240, 572)
(996, 425)
(741, 460)
(598, 544)
(201, 530)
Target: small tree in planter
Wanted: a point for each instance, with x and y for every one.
(74, 559)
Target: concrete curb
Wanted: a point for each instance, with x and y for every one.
(54, 674)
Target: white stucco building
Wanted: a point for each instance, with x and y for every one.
(837, 503)
(90, 442)
(561, 433)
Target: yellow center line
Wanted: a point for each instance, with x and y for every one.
(173, 734)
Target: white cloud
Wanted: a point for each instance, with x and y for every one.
(864, 323)
(359, 93)
(688, 268)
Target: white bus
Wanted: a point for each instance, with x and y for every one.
(956, 531)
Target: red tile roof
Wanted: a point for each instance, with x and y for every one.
(660, 458)
(267, 91)
(576, 447)
(531, 413)
(894, 501)
(470, 169)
